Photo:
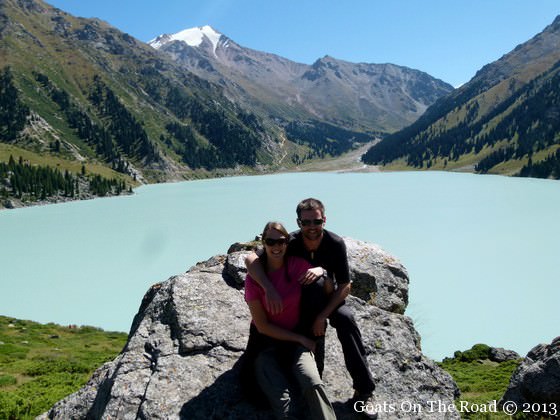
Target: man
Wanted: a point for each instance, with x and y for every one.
(326, 251)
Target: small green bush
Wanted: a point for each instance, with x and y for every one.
(477, 352)
(44, 367)
(7, 380)
(12, 352)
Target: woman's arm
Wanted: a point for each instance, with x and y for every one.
(265, 327)
(257, 273)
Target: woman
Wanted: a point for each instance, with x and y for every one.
(277, 350)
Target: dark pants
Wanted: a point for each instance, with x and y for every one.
(313, 300)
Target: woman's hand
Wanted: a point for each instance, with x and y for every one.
(273, 301)
(311, 275)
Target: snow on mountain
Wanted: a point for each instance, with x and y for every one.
(191, 36)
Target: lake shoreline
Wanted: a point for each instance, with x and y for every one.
(348, 162)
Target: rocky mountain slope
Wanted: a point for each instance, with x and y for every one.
(359, 97)
(182, 355)
(77, 89)
(504, 120)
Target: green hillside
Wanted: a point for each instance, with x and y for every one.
(505, 120)
(42, 363)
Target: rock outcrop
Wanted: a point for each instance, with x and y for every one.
(181, 358)
(377, 277)
(537, 379)
(499, 355)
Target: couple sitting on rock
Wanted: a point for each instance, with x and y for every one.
(290, 291)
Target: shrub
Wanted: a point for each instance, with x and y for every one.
(477, 352)
(7, 380)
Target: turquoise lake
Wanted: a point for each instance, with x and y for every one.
(482, 252)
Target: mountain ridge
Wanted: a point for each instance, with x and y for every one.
(327, 85)
(483, 124)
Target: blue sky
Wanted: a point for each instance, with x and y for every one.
(449, 39)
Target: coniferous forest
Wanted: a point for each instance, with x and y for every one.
(31, 183)
(13, 113)
(324, 139)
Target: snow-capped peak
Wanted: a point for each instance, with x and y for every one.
(192, 37)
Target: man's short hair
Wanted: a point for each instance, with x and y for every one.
(310, 204)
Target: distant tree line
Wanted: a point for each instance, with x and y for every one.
(24, 181)
(102, 186)
(535, 125)
(205, 134)
(547, 168)
(13, 113)
(324, 139)
(19, 179)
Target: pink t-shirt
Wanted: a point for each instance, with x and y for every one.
(289, 291)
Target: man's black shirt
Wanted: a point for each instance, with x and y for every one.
(331, 254)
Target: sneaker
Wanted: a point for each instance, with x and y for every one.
(367, 405)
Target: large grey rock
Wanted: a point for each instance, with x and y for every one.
(537, 379)
(377, 277)
(181, 358)
(499, 355)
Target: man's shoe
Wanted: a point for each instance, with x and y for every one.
(365, 404)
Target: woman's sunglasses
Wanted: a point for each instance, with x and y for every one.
(272, 242)
(309, 222)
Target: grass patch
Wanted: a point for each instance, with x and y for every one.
(43, 363)
(480, 381)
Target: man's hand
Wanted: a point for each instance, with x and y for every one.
(319, 326)
(311, 275)
(308, 344)
(273, 301)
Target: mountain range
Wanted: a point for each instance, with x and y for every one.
(361, 97)
(80, 95)
(505, 120)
